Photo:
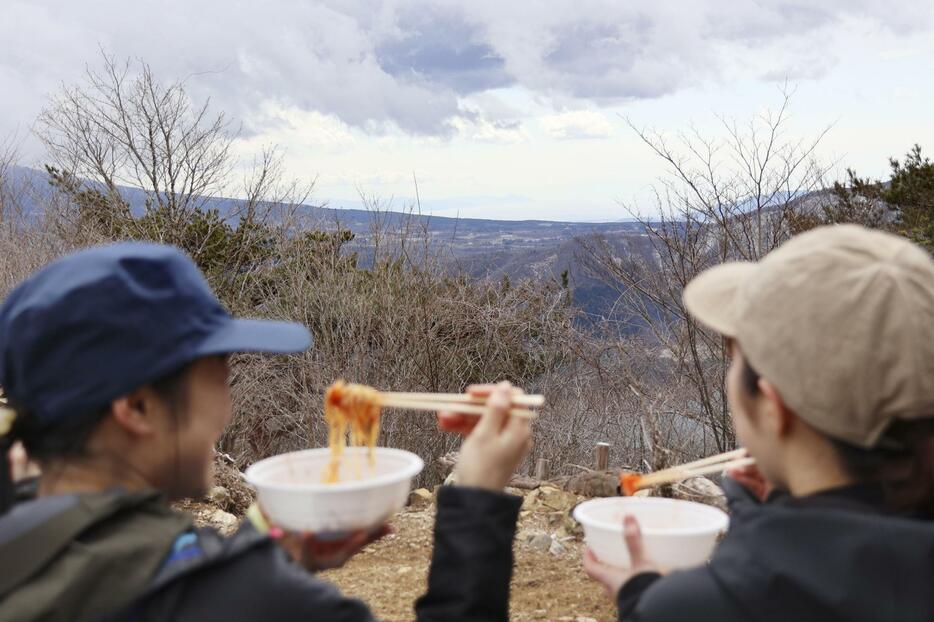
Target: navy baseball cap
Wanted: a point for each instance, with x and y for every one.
(104, 321)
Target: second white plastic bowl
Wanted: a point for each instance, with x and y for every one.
(677, 534)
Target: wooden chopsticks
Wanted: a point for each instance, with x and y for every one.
(459, 402)
(632, 482)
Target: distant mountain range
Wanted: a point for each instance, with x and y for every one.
(484, 248)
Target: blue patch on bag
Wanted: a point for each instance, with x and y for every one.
(185, 547)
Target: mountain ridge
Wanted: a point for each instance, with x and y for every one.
(483, 248)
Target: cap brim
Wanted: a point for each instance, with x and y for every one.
(262, 336)
(713, 296)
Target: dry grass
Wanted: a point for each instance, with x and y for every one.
(390, 575)
(406, 321)
(388, 309)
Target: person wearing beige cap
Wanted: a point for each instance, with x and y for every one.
(831, 390)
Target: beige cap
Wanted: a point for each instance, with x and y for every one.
(840, 319)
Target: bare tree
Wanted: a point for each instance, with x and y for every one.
(11, 190)
(125, 128)
(731, 198)
(388, 309)
(25, 244)
(140, 159)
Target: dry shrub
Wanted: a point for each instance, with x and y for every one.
(388, 308)
(402, 323)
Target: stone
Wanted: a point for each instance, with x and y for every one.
(531, 499)
(420, 498)
(540, 542)
(219, 496)
(556, 499)
(570, 528)
(585, 619)
(594, 484)
(224, 521)
(445, 464)
(524, 482)
(557, 549)
(701, 490)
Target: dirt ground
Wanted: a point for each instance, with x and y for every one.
(391, 574)
(548, 582)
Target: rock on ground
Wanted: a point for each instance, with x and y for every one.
(594, 484)
(548, 581)
(420, 498)
(701, 490)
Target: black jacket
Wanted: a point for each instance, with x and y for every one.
(833, 556)
(249, 577)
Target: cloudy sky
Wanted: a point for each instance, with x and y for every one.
(502, 109)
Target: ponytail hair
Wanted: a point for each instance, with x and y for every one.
(42, 443)
(902, 462)
(67, 439)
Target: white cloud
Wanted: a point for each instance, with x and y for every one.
(412, 64)
(288, 124)
(577, 124)
(480, 129)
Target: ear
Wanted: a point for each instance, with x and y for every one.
(132, 412)
(778, 416)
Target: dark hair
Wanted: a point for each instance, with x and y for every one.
(902, 461)
(750, 378)
(69, 439)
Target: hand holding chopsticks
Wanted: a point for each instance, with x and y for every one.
(631, 482)
(495, 443)
(457, 412)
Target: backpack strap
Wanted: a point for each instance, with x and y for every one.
(52, 550)
(35, 532)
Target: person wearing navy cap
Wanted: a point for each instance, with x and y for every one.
(113, 361)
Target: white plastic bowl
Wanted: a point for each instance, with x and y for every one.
(677, 534)
(291, 491)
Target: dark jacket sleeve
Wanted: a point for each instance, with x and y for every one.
(471, 565)
(631, 592)
(686, 594)
(683, 595)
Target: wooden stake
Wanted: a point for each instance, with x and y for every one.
(601, 455)
(541, 469)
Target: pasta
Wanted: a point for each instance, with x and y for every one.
(352, 407)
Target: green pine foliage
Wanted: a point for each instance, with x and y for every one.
(904, 204)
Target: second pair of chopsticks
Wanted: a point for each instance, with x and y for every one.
(459, 402)
(631, 482)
